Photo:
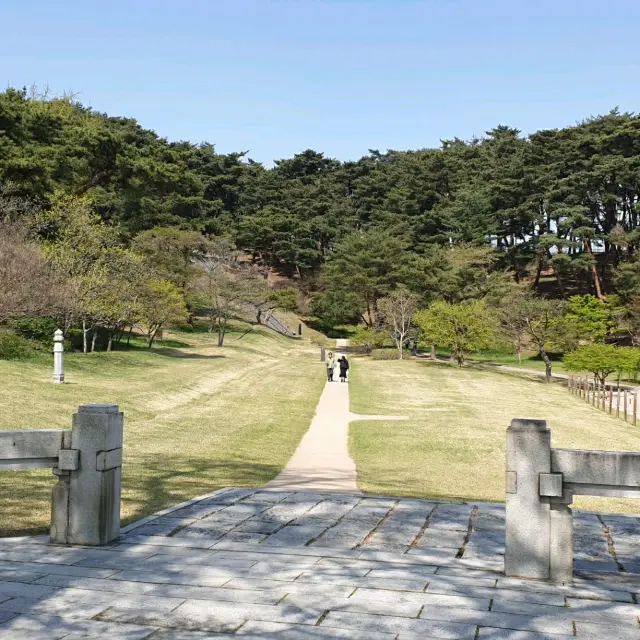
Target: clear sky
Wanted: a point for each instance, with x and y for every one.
(274, 77)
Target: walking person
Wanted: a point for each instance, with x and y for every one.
(331, 365)
(344, 367)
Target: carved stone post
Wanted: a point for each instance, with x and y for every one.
(86, 500)
(58, 357)
(527, 552)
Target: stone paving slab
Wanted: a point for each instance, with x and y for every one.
(321, 565)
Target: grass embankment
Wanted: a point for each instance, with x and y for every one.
(196, 417)
(453, 445)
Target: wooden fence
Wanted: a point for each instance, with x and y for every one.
(607, 397)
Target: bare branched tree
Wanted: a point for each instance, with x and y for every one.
(27, 281)
(397, 310)
(227, 287)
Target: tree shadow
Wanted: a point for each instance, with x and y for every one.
(164, 485)
(148, 485)
(177, 353)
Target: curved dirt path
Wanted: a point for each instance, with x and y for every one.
(322, 461)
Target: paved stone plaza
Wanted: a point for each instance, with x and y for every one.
(268, 564)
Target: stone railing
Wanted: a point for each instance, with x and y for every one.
(87, 459)
(540, 485)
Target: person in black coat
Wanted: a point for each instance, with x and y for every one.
(344, 367)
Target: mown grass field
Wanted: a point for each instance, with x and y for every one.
(196, 417)
(453, 444)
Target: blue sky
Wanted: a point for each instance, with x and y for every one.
(274, 77)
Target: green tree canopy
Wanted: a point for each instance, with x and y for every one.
(464, 327)
(602, 360)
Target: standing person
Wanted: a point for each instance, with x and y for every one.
(331, 364)
(344, 367)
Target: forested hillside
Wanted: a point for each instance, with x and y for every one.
(557, 209)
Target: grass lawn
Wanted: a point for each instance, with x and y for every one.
(197, 418)
(453, 445)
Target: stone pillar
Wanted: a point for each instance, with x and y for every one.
(322, 354)
(561, 539)
(58, 357)
(94, 488)
(527, 552)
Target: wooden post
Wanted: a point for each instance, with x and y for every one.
(593, 400)
(585, 395)
(596, 391)
(618, 402)
(610, 399)
(635, 409)
(625, 405)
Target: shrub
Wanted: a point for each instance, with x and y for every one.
(385, 354)
(342, 331)
(39, 328)
(369, 339)
(15, 347)
(286, 299)
(319, 339)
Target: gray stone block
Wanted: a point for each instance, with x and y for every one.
(550, 484)
(135, 541)
(293, 550)
(67, 609)
(199, 578)
(488, 633)
(540, 624)
(240, 536)
(391, 624)
(213, 621)
(4, 617)
(389, 599)
(280, 587)
(440, 538)
(15, 634)
(591, 631)
(96, 584)
(177, 634)
(58, 627)
(296, 535)
(272, 630)
(401, 606)
(408, 572)
(511, 595)
(415, 584)
(17, 589)
(259, 525)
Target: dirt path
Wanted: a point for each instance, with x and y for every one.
(322, 461)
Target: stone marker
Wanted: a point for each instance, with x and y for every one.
(58, 357)
(323, 356)
(86, 500)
